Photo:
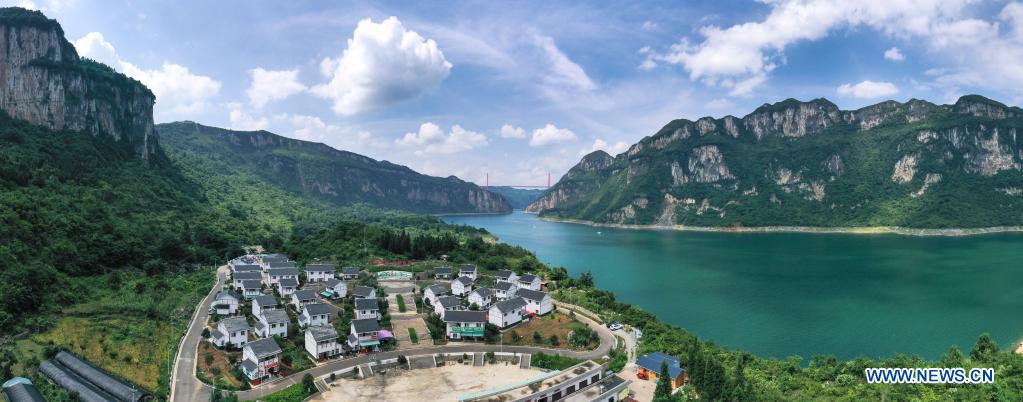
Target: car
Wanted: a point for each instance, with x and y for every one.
(614, 326)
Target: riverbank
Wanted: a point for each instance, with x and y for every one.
(802, 229)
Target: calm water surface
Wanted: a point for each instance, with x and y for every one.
(783, 294)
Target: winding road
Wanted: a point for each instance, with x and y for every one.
(186, 387)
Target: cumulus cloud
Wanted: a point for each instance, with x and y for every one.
(384, 64)
(243, 120)
(550, 134)
(270, 85)
(868, 89)
(431, 140)
(312, 128)
(894, 54)
(510, 131)
(649, 25)
(613, 149)
(177, 89)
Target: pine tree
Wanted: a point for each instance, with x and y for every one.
(663, 390)
(985, 348)
(953, 358)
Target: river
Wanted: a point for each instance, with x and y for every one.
(784, 294)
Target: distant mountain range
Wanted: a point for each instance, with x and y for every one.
(792, 163)
(519, 198)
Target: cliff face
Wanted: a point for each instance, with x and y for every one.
(45, 82)
(810, 164)
(319, 171)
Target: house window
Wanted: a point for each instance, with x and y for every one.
(594, 378)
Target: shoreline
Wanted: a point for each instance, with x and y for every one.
(899, 230)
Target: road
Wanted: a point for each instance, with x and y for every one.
(185, 386)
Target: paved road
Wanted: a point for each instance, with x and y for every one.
(185, 387)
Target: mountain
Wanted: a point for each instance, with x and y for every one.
(317, 171)
(519, 198)
(793, 163)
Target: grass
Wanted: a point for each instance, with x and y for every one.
(413, 336)
(552, 362)
(401, 304)
(552, 324)
(294, 393)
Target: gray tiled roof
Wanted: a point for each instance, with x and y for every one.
(304, 294)
(350, 270)
(288, 283)
(509, 305)
(467, 268)
(226, 293)
(332, 282)
(438, 289)
(282, 272)
(442, 270)
(281, 264)
(249, 366)
(275, 316)
(465, 281)
(465, 316)
(483, 292)
(504, 286)
(365, 325)
(322, 332)
(449, 302)
(252, 284)
(247, 275)
(362, 291)
(530, 294)
(264, 301)
(233, 324)
(264, 347)
(503, 274)
(246, 268)
(320, 268)
(317, 309)
(366, 304)
(527, 278)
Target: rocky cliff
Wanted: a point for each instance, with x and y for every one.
(792, 163)
(321, 172)
(46, 83)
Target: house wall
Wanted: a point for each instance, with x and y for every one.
(540, 308)
(314, 349)
(360, 314)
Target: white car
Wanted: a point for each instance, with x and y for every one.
(614, 326)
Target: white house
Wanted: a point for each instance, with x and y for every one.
(231, 331)
(531, 282)
(468, 271)
(507, 313)
(538, 303)
(321, 342)
(481, 297)
(262, 304)
(338, 289)
(274, 275)
(365, 334)
(506, 276)
(434, 291)
(226, 302)
(273, 323)
(461, 286)
(252, 288)
(367, 308)
(444, 304)
(364, 292)
(245, 268)
(314, 314)
(302, 297)
(442, 273)
(260, 359)
(266, 259)
(350, 273)
(504, 290)
(286, 287)
(465, 324)
(280, 265)
(319, 272)
(238, 277)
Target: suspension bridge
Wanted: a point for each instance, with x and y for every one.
(486, 183)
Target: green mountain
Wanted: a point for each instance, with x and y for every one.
(792, 163)
(519, 198)
(319, 172)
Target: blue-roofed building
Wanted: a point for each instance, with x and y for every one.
(650, 368)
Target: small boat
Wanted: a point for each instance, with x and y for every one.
(600, 233)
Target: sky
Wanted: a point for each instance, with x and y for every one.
(519, 89)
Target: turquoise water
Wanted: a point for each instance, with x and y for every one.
(783, 294)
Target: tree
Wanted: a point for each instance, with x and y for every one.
(309, 384)
(537, 338)
(586, 280)
(663, 390)
(985, 348)
(554, 340)
(953, 358)
(474, 307)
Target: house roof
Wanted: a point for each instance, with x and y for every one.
(449, 301)
(465, 316)
(264, 301)
(362, 291)
(527, 278)
(317, 309)
(483, 292)
(222, 294)
(252, 284)
(503, 274)
(247, 275)
(438, 289)
(288, 282)
(275, 316)
(232, 324)
(653, 361)
(320, 268)
(322, 332)
(530, 294)
(366, 304)
(442, 270)
(246, 268)
(466, 268)
(515, 303)
(504, 286)
(282, 271)
(350, 270)
(264, 347)
(304, 294)
(281, 265)
(465, 281)
(249, 366)
(365, 325)
(332, 282)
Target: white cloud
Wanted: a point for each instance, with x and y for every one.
(894, 54)
(613, 149)
(649, 26)
(177, 90)
(431, 140)
(868, 89)
(384, 64)
(510, 131)
(270, 85)
(563, 71)
(550, 134)
(242, 120)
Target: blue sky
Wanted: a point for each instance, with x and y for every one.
(520, 89)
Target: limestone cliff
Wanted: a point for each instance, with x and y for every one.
(46, 83)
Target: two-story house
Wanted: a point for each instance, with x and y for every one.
(314, 314)
(434, 291)
(226, 302)
(465, 324)
(444, 304)
(260, 360)
(481, 297)
(461, 286)
(286, 287)
(231, 332)
(537, 303)
(302, 297)
(263, 303)
(468, 270)
(506, 276)
(273, 323)
(274, 275)
(364, 292)
(528, 281)
(319, 272)
(337, 288)
(504, 291)
(238, 277)
(507, 313)
(365, 334)
(252, 288)
(321, 342)
(442, 273)
(367, 308)
(350, 273)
